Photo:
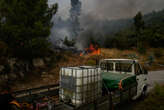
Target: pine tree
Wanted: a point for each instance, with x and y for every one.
(25, 26)
(139, 27)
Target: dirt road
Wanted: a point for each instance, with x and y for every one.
(155, 77)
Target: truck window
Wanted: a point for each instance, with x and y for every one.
(124, 67)
(137, 69)
(106, 66)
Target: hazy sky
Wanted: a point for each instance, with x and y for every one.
(110, 9)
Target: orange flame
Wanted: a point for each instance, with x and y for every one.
(81, 54)
(92, 50)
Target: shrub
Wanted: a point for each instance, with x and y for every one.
(91, 62)
(69, 43)
(3, 48)
(150, 59)
(26, 32)
(141, 48)
(158, 53)
(133, 56)
(155, 100)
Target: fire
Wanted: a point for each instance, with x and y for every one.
(81, 54)
(92, 50)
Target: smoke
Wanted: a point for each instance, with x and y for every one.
(116, 9)
(69, 25)
(75, 12)
(82, 19)
(104, 17)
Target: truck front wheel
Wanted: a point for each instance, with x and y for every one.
(144, 92)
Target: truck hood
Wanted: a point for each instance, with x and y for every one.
(112, 81)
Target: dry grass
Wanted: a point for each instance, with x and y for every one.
(52, 74)
(156, 53)
(69, 59)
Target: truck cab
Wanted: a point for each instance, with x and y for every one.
(127, 67)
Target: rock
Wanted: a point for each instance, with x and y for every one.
(1, 68)
(21, 74)
(51, 76)
(47, 59)
(38, 62)
(1, 77)
(44, 75)
(2, 82)
(12, 76)
(12, 62)
(5, 77)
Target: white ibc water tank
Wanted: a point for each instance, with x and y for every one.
(80, 85)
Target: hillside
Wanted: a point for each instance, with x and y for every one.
(50, 75)
(152, 35)
(153, 18)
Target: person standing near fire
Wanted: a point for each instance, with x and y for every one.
(7, 100)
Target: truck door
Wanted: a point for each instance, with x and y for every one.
(141, 78)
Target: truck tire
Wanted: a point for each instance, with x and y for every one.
(144, 92)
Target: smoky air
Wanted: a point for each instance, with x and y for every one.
(82, 18)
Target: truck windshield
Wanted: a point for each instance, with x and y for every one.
(106, 66)
(123, 67)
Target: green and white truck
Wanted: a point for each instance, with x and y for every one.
(124, 78)
(116, 80)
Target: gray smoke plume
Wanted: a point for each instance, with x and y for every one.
(84, 18)
(116, 9)
(104, 17)
(67, 26)
(75, 12)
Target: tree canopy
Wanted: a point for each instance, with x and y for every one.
(25, 26)
(139, 22)
(146, 31)
(139, 25)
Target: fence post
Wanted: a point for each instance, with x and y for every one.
(95, 105)
(110, 101)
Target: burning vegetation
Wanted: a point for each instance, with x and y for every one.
(92, 50)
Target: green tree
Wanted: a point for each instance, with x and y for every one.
(139, 22)
(69, 43)
(139, 27)
(25, 26)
